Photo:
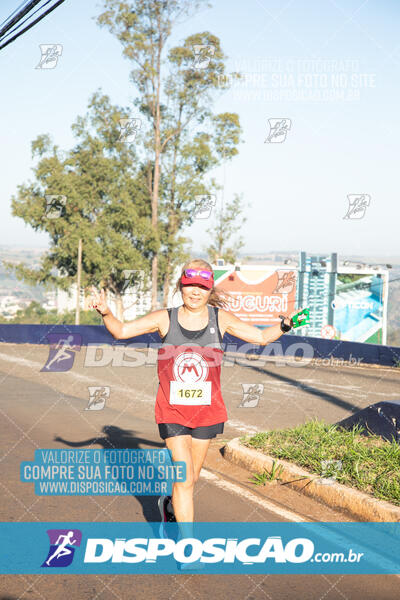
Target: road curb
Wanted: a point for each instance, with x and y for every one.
(336, 495)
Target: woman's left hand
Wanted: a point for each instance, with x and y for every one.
(288, 319)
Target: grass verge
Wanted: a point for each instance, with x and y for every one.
(367, 463)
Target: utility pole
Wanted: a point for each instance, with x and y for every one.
(78, 283)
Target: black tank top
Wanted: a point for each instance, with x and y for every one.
(178, 335)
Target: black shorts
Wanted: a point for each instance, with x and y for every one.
(201, 433)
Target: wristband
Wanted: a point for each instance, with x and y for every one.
(284, 328)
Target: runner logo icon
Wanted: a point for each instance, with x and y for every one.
(62, 351)
(61, 551)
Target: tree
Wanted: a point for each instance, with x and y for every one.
(182, 137)
(228, 222)
(100, 198)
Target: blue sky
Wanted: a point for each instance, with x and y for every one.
(295, 191)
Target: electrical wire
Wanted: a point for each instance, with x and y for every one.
(48, 11)
(19, 16)
(5, 20)
(27, 19)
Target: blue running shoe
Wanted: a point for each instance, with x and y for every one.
(194, 566)
(167, 514)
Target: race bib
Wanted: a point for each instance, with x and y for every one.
(190, 394)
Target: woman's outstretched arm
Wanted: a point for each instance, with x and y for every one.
(154, 321)
(249, 333)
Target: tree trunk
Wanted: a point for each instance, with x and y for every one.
(154, 278)
(154, 222)
(172, 221)
(156, 179)
(167, 282)
(78, 284)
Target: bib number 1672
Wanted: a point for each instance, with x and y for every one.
(190, 393)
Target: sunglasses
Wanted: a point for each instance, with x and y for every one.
(194, 273)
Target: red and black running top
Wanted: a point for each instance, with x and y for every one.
(189, 370)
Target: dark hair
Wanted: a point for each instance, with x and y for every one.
(217, 296)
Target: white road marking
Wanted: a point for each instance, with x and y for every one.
(146, 398)
(247, 495)
(143, 397)
(243, 427)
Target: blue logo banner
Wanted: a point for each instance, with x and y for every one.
(209, 548)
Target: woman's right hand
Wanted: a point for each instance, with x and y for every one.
(98, 301)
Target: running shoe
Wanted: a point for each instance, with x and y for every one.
(194, 566)
(167, 514)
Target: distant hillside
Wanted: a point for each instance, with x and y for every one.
(9, 284)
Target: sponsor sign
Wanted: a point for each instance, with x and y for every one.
(260, 294)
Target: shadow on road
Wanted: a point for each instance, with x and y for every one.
(304, 387)
(114, 437)
(117, 438)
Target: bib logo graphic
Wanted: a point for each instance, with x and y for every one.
(278, 129)
(328, 332)
(251, 394)
(61, 551)
(204, 204)
(202, 55)
(358, 204)
(50, 55)
(190, 367)
(62, 351)
(286, 282)
(330, 470)
(98, 396)
(55, 206)
(134, 280)
(129, 129)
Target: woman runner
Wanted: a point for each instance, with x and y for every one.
(189, 409)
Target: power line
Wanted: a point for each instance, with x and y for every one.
(18, 25)
(32, 4)
(18, 16)
(5, 20)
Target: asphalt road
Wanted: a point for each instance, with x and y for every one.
(38, 407)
